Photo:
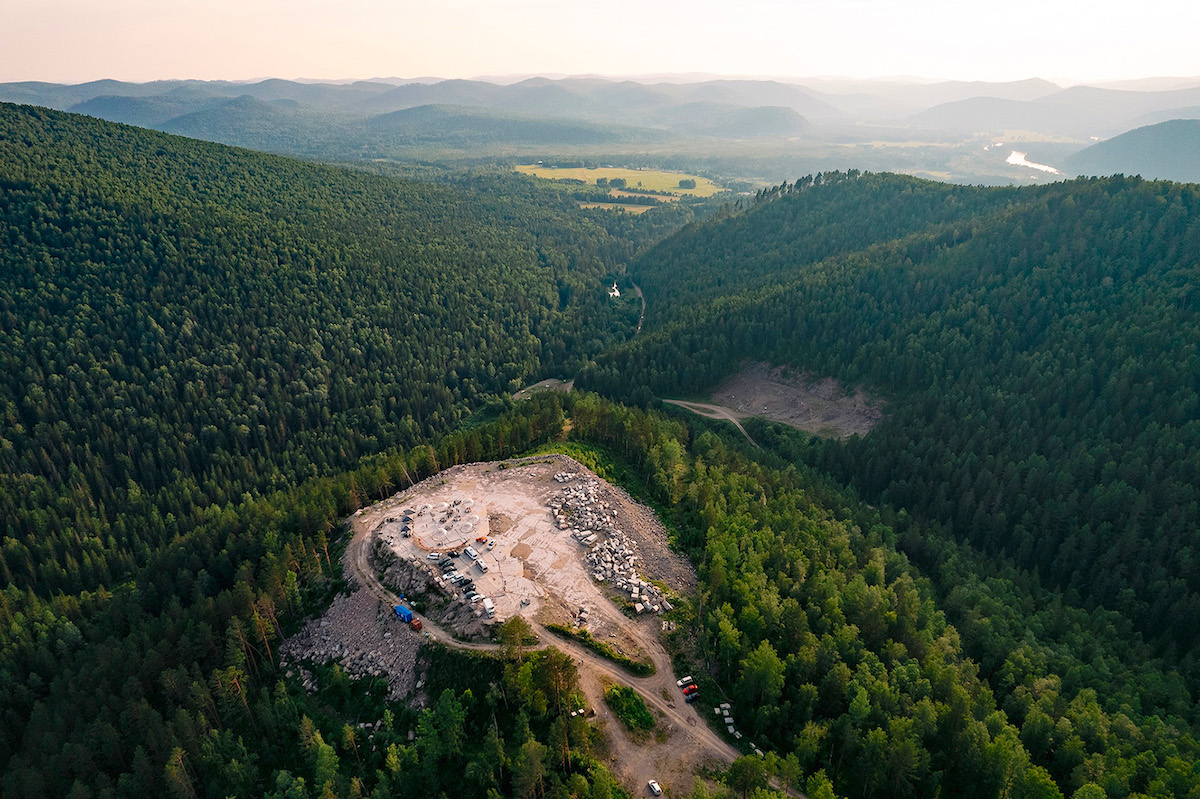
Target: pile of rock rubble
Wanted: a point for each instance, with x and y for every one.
(363, 636)
(613, 559)
(402, 575)
(580, 510)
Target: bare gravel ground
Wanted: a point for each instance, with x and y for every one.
(549, 384)
(536, 565)
(815, 405)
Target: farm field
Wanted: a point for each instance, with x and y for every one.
(653, 179)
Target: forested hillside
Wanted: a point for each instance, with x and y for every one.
(841, 213)
(211, 356)
(836, 649)
(1167, 151)
(167, 684)
(1037, 348)
(183, 323)
(184, 328)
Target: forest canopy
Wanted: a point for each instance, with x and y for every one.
(1038, 348)
(210, 357)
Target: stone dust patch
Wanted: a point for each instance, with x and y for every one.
(815, 405)
(556, 537)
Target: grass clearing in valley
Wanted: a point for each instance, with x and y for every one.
(653, 179)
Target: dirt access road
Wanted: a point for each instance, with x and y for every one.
(638, 291)
(688, 741)
(713, 412)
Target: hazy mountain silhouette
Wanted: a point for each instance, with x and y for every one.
(1166, 151)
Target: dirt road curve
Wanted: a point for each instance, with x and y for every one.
(713, 412)
(638, 290)
(683, 717)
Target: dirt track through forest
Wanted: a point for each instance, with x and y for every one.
(713, 412)
(638, 290)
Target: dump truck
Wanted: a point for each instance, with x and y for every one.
(404, 614)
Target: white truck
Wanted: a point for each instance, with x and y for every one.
(489, 608)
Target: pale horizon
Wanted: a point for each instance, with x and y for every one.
(73, 41)
(681, 77)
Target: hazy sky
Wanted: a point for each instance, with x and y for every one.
(1068, 40)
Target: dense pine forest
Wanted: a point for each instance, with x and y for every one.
(1037, 350)
(184, 323)
(187, 326)
(212, 356)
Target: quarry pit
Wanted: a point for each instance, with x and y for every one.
(549, 540)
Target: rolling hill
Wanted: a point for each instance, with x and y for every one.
(1080, 111)
(147, 112)
(732, 122)
(278, 127)
(754, 130)
(971, 315)
(1166, 151)
(464, 126)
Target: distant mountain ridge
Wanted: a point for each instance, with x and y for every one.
(1166, 151)
(1079, 111)
(778, 127)
(349, 119)
(954, 104)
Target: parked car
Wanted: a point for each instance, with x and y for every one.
(434, 556)
(473, 598)
(684, 681)
(690, 689)
(655, 789)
